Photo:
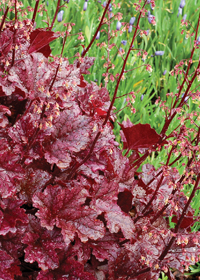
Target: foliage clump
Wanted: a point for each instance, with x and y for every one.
(71, 205)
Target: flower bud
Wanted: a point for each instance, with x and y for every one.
(98, 35)
(111, 15)
(184, 17)
(198, 41)
(150, 17)
(182, 4)
(118, 26)
(142, 96)
(180, 11)
(159, 53)
(132, 20)
(85, 6)
(124, 42)
(130, 29)
(60, 16)
(164, 72)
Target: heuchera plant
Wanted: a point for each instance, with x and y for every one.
(71, 205)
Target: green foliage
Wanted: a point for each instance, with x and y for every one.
(163, 276)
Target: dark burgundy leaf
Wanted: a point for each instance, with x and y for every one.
(33, 181)
(125, 200)
(105, 248)
(11, 242)
(139, 136)
(90, 101)
(43, 245)
(71, 270)
(71, 133)
(9, 268)
(10, 213)
(187, 221)
(63, 207)
(39, 39)
(116, 219)
(82, 83)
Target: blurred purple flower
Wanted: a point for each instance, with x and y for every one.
(198, 41)
(150, 17)
(118, 26)
(85, 6)
(98, 35)
(142, 96)
(160, 53)
(182, 4)
(164, 72)
(184, 17)
(111, 15)
(66, 1)
(104, 4)
(132, 20)
(110, 8)
(124, 42)
(180, 11)
(47, 3)
(60, 16)
(130, 29)
(147, 32)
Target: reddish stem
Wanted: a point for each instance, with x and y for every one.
(167, 248)
(95, 35)
(55, 15)
(4, 18)
(168, 121)
(111, 105)
(14, 35)
(35, 11)
(50, 88)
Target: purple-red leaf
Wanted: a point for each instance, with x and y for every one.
(3, 119)
(125, 200)
(70, 270)
(9, 268)
(64, 208)
(139, 136)
(71, 133)
(39, 41)
(10, 213)
(116, 219)
(43, 245)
